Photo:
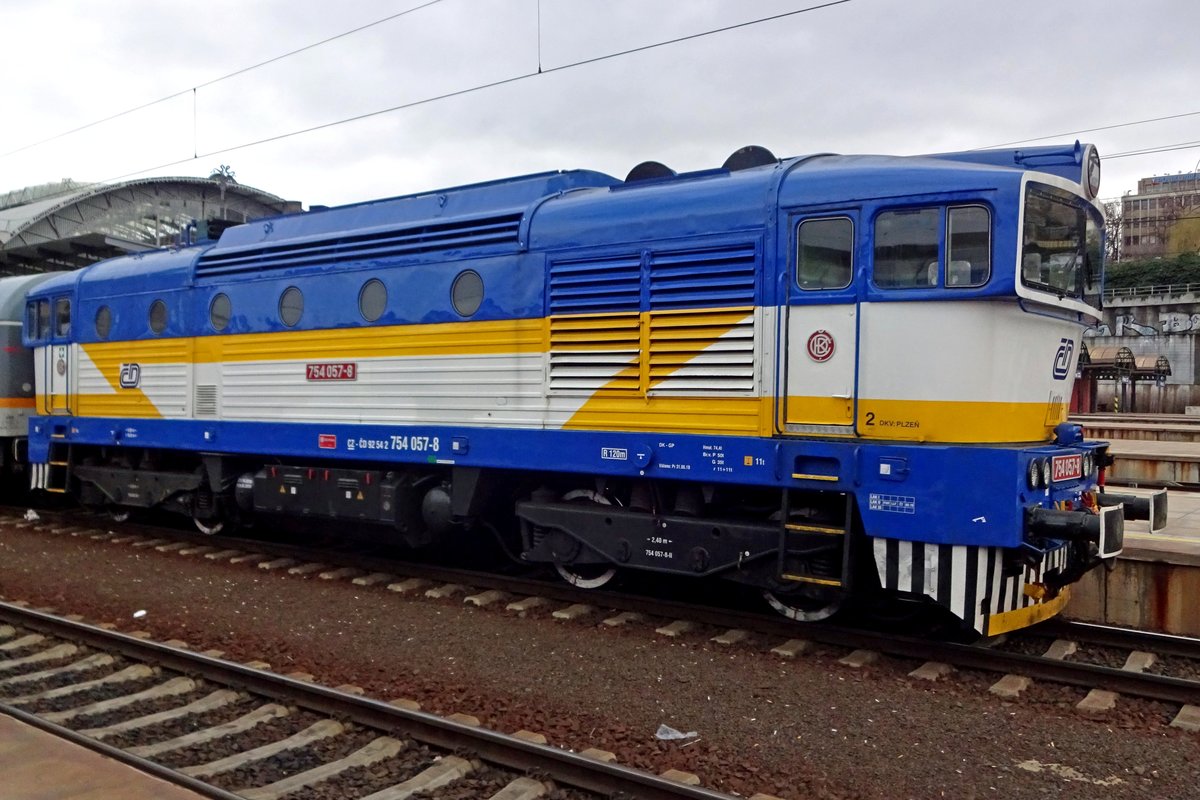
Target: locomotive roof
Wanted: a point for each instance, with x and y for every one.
(13, 289)
(150, 271)
(563, 209)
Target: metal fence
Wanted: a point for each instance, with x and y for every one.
(1152, 291)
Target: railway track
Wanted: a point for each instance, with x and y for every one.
(229, 730)
(1165, 668)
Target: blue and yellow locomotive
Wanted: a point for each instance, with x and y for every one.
(827, 376)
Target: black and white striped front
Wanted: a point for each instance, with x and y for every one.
(969, 580)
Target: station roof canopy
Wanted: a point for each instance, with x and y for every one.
(1110, 362)
(70, 224)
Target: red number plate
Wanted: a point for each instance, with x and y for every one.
(1066, 468)
(327, 441)
(342, 371)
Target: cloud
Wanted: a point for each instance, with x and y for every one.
(864, 76)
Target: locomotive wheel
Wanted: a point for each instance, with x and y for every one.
(209, 527)
(118, 513)
(808, 603)
(586, 576)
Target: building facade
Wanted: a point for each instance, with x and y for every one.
(1163, 218)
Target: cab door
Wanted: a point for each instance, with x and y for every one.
(57, 353)
(819, 328)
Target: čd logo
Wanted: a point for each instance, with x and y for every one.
(131, 376)
(1062, 360)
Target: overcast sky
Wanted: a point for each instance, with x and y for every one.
(863, 76)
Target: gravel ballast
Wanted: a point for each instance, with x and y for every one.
(803, 728)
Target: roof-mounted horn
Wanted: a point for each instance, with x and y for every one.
(749, 157)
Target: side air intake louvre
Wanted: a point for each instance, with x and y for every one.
(673, 322)
(456, 235)
(710, 276)
(595, 351)
(582, 285)
(707, 352)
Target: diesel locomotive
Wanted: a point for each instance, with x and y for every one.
(829, 377)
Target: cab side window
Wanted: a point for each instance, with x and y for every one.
(825, 253)
(969, 246)
(906, 248)
(43, 319)
(62, 316)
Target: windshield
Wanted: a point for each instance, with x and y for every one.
(1061, 251)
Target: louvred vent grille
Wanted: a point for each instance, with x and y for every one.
(707, 352)
(583, 285)
(596, 336)
(206, 400)
(703, 277)
(590, 352)
(462, 235)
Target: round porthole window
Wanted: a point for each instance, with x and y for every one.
(103, 322)
(291, 306)
(158, 316)
(219, 312)
(467, 292)
(372, 300)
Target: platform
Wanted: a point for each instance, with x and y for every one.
(1153, 432)
(35, 765)
(1181, 539)
(1156, 582)
(1155, 462)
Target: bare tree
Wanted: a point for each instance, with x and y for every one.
(1113, 219)
(1169, 209)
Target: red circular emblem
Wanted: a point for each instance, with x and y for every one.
(820, 346)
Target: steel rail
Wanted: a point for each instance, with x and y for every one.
(1145, 685)
(1124, 638)
(1148, 686)
(497, 748)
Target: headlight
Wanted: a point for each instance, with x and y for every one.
(1035, 473)
(1045, 472)
(1088, 464)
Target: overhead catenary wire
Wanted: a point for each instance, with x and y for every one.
(1147, 151)
(520, 77)
(241, 71)
(480, 87)
(1096, 129)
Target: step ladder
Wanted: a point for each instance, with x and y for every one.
(58, 468)
(815, 552)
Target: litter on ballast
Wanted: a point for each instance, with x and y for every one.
(666, 732)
